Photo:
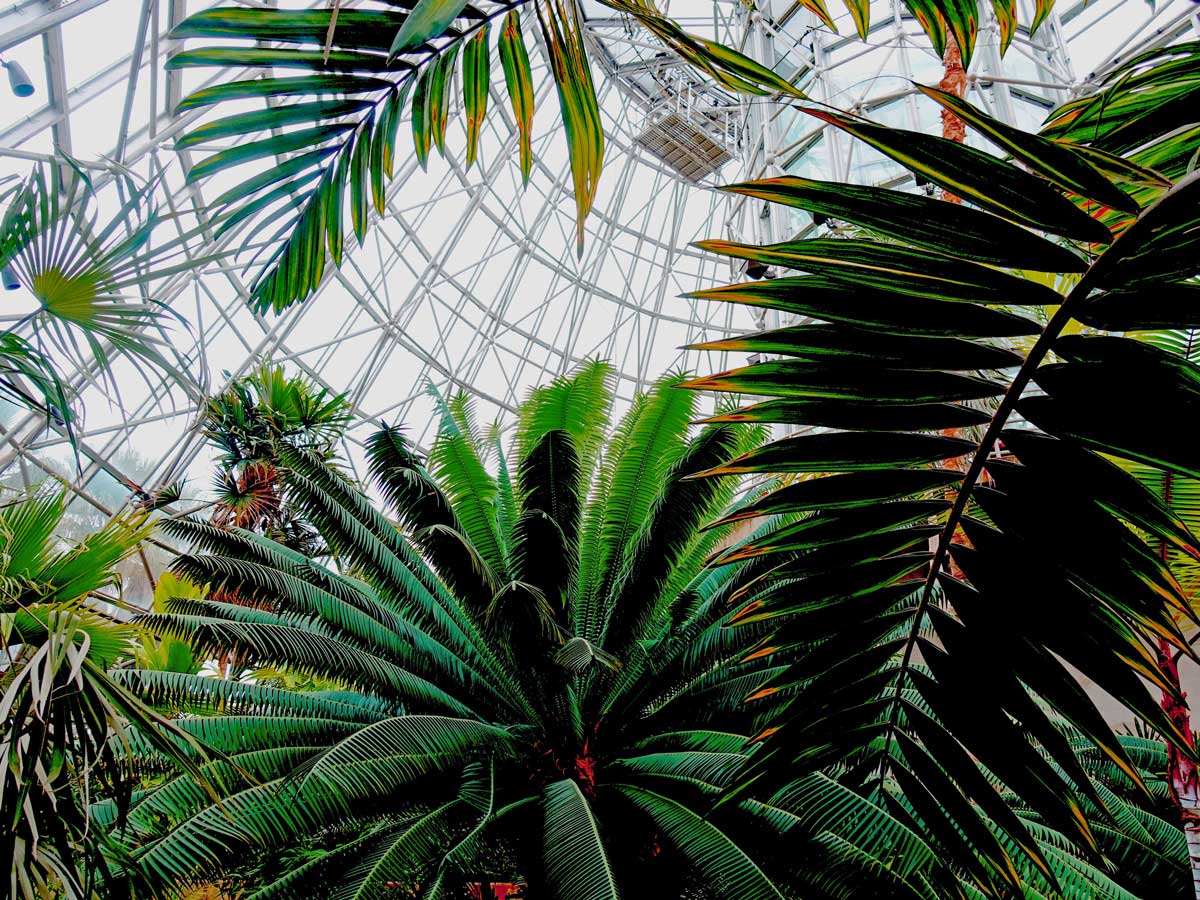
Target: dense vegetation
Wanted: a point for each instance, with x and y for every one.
(531, 679)
(67, 725)
(947, 359)
(658, 657)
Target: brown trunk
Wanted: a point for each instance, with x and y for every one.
(954, 81)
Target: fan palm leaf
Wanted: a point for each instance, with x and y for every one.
(83, 272)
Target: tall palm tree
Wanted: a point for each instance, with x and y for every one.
(950, 652)
(538, 683)
(65, 726)
(249, 423)
(311, 169)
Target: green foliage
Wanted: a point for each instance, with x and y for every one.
(250, 422)
(168, 654)
(935, 577)
(66, 727)
(81, 270)
(266, 408)
(381, 62)
(942, 19)
(332, 143)
(475, 730)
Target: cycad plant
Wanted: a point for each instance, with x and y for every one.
(66, 728)
(951, 560)
(357, 74)
(537, 682)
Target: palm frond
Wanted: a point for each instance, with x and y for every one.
(577, 866)
(362, 74)
(81, 270)
(186, 693)
(647, 442)
(717, 858)
(893, 641)
(551, 499)
(458, 464)
(637, 605)
(578, 404)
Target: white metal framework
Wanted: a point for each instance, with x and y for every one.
(468, 281)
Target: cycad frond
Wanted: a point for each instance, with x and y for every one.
(457, 462)
(650, 438)
(545, 548)
(474, 713)
(578, 404)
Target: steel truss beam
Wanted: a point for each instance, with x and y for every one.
(455, 311)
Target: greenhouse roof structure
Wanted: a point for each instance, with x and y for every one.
(469, 280)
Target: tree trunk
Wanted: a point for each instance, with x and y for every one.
(954, 81)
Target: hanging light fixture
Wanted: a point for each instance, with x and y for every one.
(18, 79)
(9, 278)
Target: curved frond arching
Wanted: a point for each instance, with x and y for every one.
(945, 564)
(714, 854)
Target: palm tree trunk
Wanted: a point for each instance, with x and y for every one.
(954, 81)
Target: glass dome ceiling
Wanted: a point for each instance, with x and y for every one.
(469, 281)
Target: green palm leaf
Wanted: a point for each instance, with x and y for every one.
(724, 865)
(474, 492)
(401, 749)
(578, 404)
(68, 730)
(911, 670)
(360, 75)
(649, 439)
(82, 270)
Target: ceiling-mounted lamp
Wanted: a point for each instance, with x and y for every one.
(9, 279)
(18, 78)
